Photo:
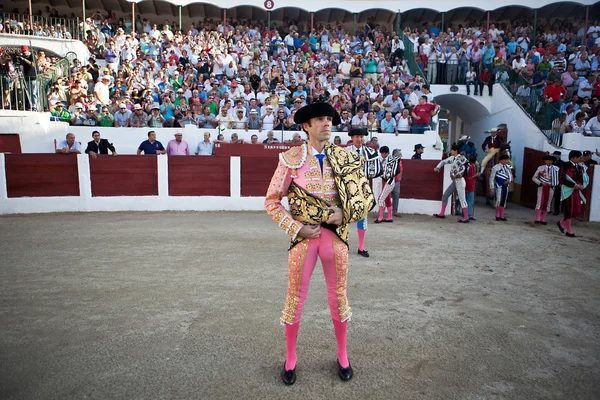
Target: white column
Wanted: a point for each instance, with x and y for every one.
(3, 188)
(85, 177)
(163, 175)
(236, 177)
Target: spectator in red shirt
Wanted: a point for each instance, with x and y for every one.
(422, 113)
(485, 78)
(553, 94)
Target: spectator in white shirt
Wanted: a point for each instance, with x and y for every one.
(359, 120)
(592, 128)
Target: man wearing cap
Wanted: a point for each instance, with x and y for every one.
(102, 91)
(122, 116)
(419, 149)
(254, 122)
(139, 118)
(326, 191)
(371, 169)
(547, 178)
(177, 146)
(78, 117)
(69, 145)
(467, 148)
(60, 114)
(573, 179)
(491, 146)
(30, 74)
(155, 120)
(268, 119)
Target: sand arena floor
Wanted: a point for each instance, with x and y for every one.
(186, 306)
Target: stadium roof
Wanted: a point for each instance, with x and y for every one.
(340, 10)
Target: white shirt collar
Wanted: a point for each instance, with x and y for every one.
(315, 152)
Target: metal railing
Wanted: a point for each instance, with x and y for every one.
(19, 24)
(528, 96)
(24, 93)
(409, 56)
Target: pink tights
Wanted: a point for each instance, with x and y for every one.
(323, 249)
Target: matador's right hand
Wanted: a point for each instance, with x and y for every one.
(310, 231)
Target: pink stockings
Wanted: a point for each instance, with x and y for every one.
(499, 212)
(541, 215)
(334, 255)
(361, 239)
(566, 223)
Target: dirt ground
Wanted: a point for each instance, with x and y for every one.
(187, 306)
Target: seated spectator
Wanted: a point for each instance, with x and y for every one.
(205, 147)
(254, 139)
(178, 146)
(592, 128)
(254, 122)
(404, 122)
(155, 119)
(235, 139)
(388, 124)
(187, 119)
(268, 119)
(271, 139)
(224, 119)
(69, 146)
(359, 120)
(106, 119)
(139, 118)
(78, 117)
(99, 146)
(151, 146)
(239, 120)
(59, 114)
(122, 116)
(207, 119)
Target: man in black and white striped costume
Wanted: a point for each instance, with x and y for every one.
(372, 169)
(458, 169)
(500, 178)
(547, 178)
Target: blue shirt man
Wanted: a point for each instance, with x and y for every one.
(151, 146)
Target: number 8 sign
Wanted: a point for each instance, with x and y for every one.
(269, 4)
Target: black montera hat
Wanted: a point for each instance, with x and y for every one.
(358, 132)
(548, 157)
(314, 110)
(505, 157)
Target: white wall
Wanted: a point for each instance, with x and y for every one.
(58, 46)
(522, 131)
(37, 135)
(595, 196)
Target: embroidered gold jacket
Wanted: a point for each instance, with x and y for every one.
(311, 193)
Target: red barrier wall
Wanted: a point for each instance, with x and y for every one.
(256, 174)
(125, 175)
(41, 175)
(420, 181)
(199, 176)
(10, 143)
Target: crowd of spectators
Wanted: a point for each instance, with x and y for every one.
(243, 75)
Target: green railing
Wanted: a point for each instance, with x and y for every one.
(409, 56)
(18, 24)
(528, 96)
(62, 69)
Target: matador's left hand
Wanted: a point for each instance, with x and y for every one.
(337, 216)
